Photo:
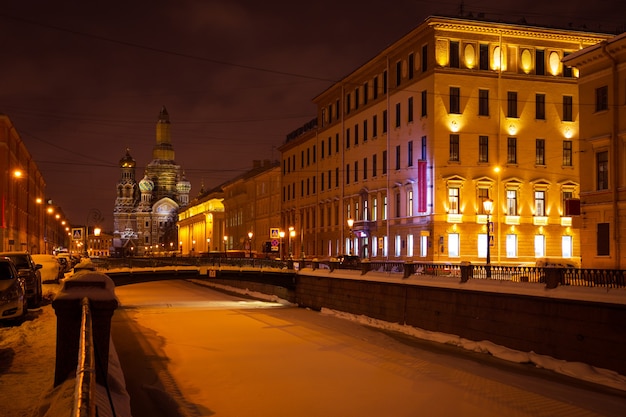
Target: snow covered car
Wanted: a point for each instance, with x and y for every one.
(13, 303)
(51, 270)
(30, 272)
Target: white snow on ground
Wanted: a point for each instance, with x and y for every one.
(27, 351)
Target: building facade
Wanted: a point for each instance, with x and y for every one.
(410, 145)
(25, 226)
(145, 212)
(201, 225)
(602, 152)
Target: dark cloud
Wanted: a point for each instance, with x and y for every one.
(82, 81)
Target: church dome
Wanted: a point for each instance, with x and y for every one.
(127, 161)
(146, 185)
(183, 186)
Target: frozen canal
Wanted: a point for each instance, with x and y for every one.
(211, 354)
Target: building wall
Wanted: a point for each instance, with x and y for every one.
(417, 73)
(23, 223)
(602, 131)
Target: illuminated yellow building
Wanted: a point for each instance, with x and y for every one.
(201, 225)
(602, 126)
(412, 143)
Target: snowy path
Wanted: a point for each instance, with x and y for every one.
(231, 357)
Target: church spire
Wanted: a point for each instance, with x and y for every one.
(163, 149)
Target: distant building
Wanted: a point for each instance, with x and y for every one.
(602, 94)
(411, 144)
(24, 223)
(145, 213)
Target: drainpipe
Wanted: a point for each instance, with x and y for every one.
(614, 160)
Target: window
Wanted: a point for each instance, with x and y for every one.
(336, 177)
(356, 134)
(454, 54)
(398, 208)
(423, 158)
(423, 246)
(602, 170)
(348, 103)
(398, 73)
(374, 165)
(409, 245)
(540, 62)
(336, 143)
(375, 208)
(540, 246)
(483, 149)
(366, 210)
(482, 245)
(364, 168)
(398, 114)
(540, 106)
(424, 58)
(540, 152)
(424, 103)
(398, 246)
(602, 98)
(347, 173)
(356, 98)
(540, 203)
(603, 244)
(567, 153)
(453, 200)
(322, 182)
(511, 246)
(356, 171)
(410, 109)
(348, 138)
(411, 63)
(410, 154)
(409, 203)
(397, 157)
(454, 147)
(384, 121)
(511, 202)
(567, 108)
(384, 162)
(454, 244)
(374, 126)
(375, 88)
(567, 70)
(364, 130)
(483, 58)
(385, 208)
(511, 101)
(455, 100)
(322, 144)
(566, 246)
(511, 151)
(329, 179)
(483, 102)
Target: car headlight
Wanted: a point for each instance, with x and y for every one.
(12, 293)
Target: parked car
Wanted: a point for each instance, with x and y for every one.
(13, 302)
(349, 261)
(30, 272)
(66, 261)
(51, 270)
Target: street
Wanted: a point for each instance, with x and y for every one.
(207, 353)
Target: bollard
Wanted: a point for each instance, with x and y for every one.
(99, 289)
(553, 277)
(409, 269)
(466, 271)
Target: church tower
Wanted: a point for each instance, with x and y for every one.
(146, 211)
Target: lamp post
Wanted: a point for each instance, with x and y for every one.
(250, 234)
(292, 234)
(225, 243)
(94, 216)
(282, 237)
(488, 206)
(350, 224)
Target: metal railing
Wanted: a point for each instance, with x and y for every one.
(84, 390)
(608, 278)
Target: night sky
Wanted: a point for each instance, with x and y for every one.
(82, 81)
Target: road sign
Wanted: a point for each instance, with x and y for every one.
(274, 233)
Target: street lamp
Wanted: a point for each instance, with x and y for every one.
(250, 234)
(488, 206)
(282, 237)
(292, 234)
(350, 224)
